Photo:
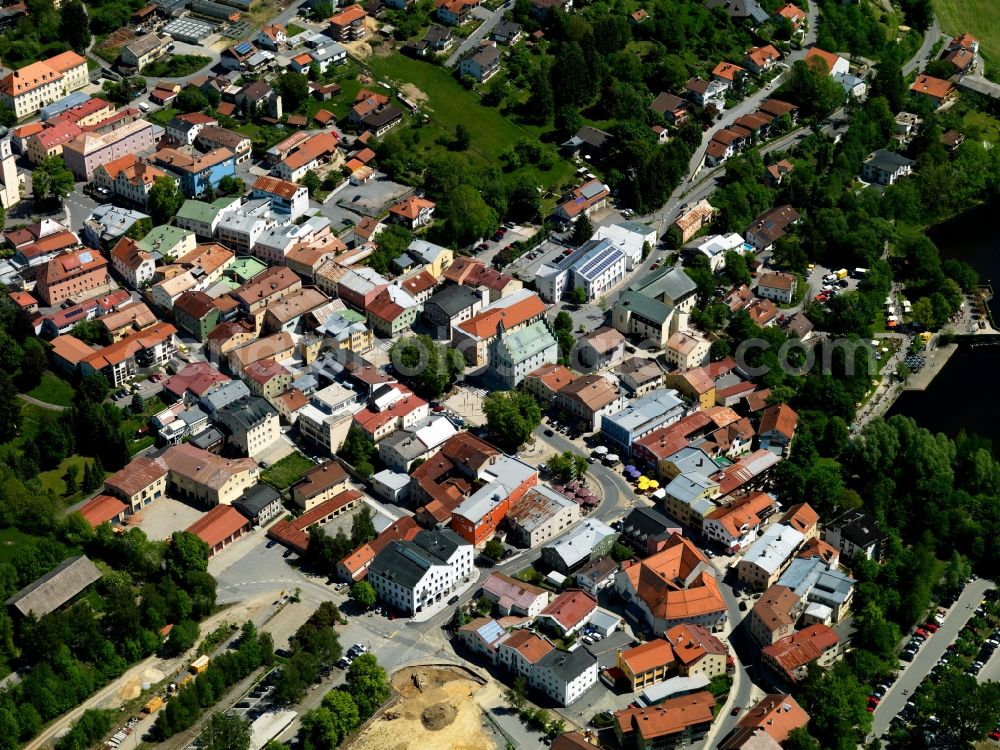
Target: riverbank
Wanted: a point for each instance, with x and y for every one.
(937, 358)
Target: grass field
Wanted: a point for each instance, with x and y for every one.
(981, 126)
(53, 480)
(981, 18)
(293, 29)
(287, 471)
(449, 104)
(53, 390)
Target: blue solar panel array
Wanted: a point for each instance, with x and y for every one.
(244, 48)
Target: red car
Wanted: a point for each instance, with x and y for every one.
(931, 627)
(873, 701)
(995, 735)
(921, 632)
(871, 709)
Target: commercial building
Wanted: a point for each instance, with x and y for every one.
(71, 275)
(589, 399)
(564, 675)
(546, 381)
(139, 482)
(540, 515)
(676, 585)
(411, 576)
(656, 409)
(220, 527)
(675, 722)
(698, 651)
(584, 542)
(774, 615)
(89, 150)
(513, 355)
(473, 337)
(736, 525)
(514, 597)
(766, 558)
(507, 480)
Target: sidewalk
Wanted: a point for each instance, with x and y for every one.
(439, 606)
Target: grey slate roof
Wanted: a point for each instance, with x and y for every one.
(453, 299)
(56, 587)
(255, 499)
(888, 161)
(406, 563)
(247, 412)
(224, 394)
(567, 665)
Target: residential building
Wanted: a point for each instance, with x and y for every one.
(326, 419)
(597, 575)
(546, 381)
(482, 63)
(671, 107)
(198, 475)
(584, 542)
(770, 227)
(139, 482)
(815, 583)
(885, 167)
(638, 375)
(855, 532)
(252, 424)
(195, 313)
(647, 530)
(761, 59)
(71, 275)
(590, 398)
(213, 137)
(413, 212)
(197, 172)
(694, 218)
(774, 615)
(475, 273)
(349, 24)
(133, 182)
(776, 714)
(286, 197)
(319, 484)
(50, 141)
(657, 408)
(706, 93)
(735, 525)
(132, 317)
(581, 201)
(779, 287)
(676, 585)
(132, 263)
(767, 557)
(309, 155)
(347, 330)
(687, 350)
(260, 504)
(84, 153)
(789, 658)
(391, 408)
(392, 311)
(564, 676)
(647, 664)
(203, 218)
(482, 636)
(540, 515)
(777, 428)
(451, 306)
(675, 722)
(832, 64)
(411, 576)
(514, 597)
(714, 247)
(600, 349)
(936, 90)
(697, 651)
(522, 651)
(184, 129)
(568, 612)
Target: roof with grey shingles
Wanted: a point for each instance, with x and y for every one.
(56, 587)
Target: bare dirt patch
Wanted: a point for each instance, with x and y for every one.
(414, 94)
(436, 710)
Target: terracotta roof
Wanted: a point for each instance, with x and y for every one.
(101, 509)
(317, 146)
(58, 134)
(777, 280)
(220, 523)
(801, 648)
(411, 207)
(197, 378)
(934, 87)
(276, 186)
(295, 533)
(49, 244)
(264, 370)
(727, 71)
(965, 41)
(135, 476)
(371, 421)
(570, 607)
(350, 15)
(272, 281)
(194, 304)
(670, 717)
(293, 399)
(692, 642)
(419, 282)
(323, 116)
(777, 714)
(829, 58)
(22, 299)
(744, 512)
(531, 647)
(71, 263)
(128, 346)
(485, 324)
(510, 592)
(649, 655)
(760, 56)
(780, 418)
(594, 392)
(136, 314)
(29, 78)
(801, 517)
(554, 377)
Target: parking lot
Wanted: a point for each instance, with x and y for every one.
(164, 516)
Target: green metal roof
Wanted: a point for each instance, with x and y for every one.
(647, 307)
(529, 341)
(164, 238)
(245, 268)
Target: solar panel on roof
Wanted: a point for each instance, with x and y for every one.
(86, 257)
(243, 48)
(491, 631)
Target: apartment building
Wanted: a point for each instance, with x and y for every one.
(252, 424)
(71, 275)
(198, 475)
(88, 150)
(30, 88)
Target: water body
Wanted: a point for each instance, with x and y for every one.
(953, 401)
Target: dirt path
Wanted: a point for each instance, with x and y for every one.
(42, 404)
(436, 711)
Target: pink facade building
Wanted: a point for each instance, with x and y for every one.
(88, 150)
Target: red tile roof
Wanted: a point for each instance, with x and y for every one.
(295, 533)
(570, 607)
(220, 523)
(101, 509)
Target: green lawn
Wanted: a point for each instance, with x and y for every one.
(176, 66)
(287, 471)
(980, 126)
(981, 18)
(449, 104)
(53, 390)
(53, 479)
(163, 116)
(293, 30)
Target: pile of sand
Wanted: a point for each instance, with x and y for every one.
(438, 716)
(414, 94)
(152, 676)
(130, 690)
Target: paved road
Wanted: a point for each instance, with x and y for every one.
(913, 673)
(480, 33)
(917, 61)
